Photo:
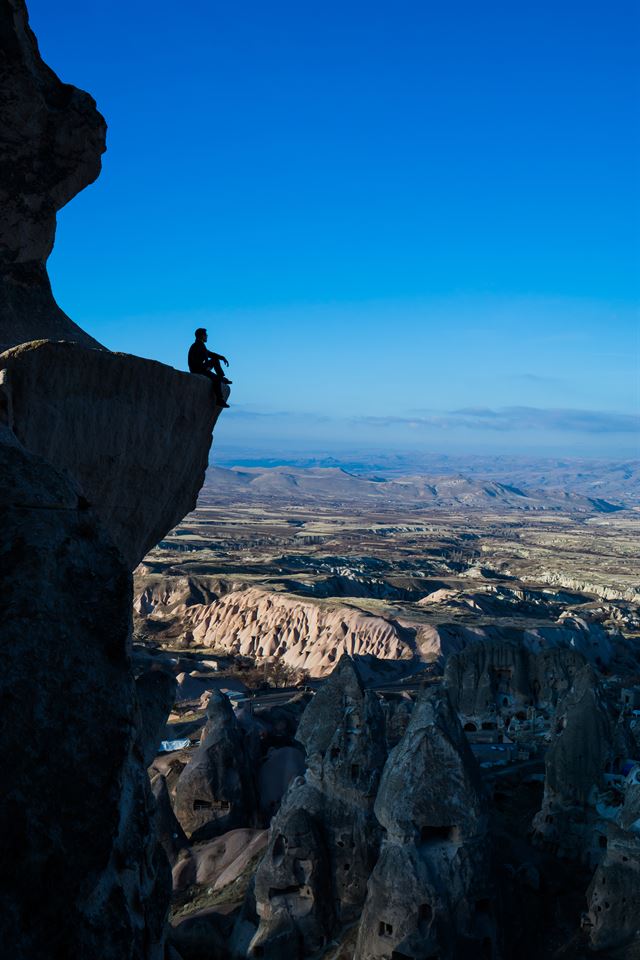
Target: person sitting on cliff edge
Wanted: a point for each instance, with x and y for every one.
(201, 361)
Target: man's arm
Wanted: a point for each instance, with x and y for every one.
(216, 356)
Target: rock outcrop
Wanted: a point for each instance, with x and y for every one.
(260, 623)
(324, 840)
(134, 434)
(100, 455)
(576, 761)
(52, 142)
(216, 792)
(614, 893)
(87, 877)
(311, 634)
(499, 673)
(430, 894)
(170, 834)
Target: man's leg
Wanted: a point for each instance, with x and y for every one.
(217, 388)
(215, 363)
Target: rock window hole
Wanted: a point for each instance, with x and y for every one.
(385, 929)
(202, 805)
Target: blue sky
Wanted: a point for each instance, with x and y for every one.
(408, 224)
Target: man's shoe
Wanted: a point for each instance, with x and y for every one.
(226, 380)
(223, 404)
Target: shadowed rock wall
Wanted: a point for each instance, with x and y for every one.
(85, 876)
(134, 433)
(100, 455)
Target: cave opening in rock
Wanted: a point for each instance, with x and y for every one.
(279, 849)
(431, 834)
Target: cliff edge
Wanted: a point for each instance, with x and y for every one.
(100, 455)
(133, 433)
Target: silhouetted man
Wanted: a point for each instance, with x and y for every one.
(202, 360)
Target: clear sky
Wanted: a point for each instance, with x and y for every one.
(408, 224)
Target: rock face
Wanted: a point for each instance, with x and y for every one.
(575, 766)
(257, 622)
(169, 832)
(492, 674)
(324, 840)
(430, 892)
(100, 455)
(52, 142)
(215, 792)
(134, 434)
(311, 634)
(614, 892)
(76, 800)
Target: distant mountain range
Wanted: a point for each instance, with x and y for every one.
(615, 481)
(335, 485)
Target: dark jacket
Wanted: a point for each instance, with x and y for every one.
(198, 357)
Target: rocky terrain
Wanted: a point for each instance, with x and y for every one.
(322, 715)
(468, 747)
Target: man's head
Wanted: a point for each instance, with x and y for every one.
(201, 334)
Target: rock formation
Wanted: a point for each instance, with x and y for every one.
(256, 622)
(323, 842)
(169, 832)
(575, 767)
(430, 892)
(614, 892)
(495, 673)
(216, 792)
(100, 455)
(87, 877)
(52, 142)
(311, 634)
(134, 433)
